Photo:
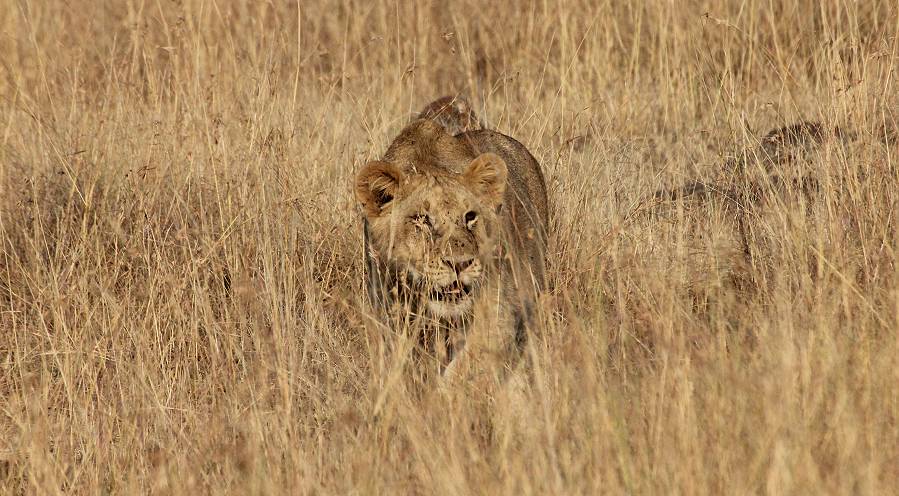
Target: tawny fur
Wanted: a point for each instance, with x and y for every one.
(443, 210)
(454, 113)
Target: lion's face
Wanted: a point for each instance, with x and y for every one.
(439, 230)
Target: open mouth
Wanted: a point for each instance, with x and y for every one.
(451, 293)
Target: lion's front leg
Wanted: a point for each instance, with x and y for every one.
(491, 345)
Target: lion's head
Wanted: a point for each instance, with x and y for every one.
(435, 226)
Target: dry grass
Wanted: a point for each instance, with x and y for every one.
(181, 267)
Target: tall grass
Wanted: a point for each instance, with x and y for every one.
(182, 304)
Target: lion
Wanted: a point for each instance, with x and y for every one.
(455, 228)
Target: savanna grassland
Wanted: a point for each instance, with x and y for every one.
(181, 269)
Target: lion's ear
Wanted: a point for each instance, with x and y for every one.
(486, 175)
(377, 185)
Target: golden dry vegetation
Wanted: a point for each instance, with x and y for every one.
(181, 277)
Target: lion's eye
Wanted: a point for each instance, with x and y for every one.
(470, 218)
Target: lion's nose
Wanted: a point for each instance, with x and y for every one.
(457, 265)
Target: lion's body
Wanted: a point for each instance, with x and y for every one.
(418, 200)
